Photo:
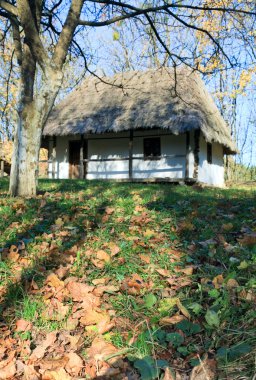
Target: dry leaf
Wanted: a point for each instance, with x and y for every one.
(145, 258)
(206, 370)
(92, 317)
(182, 309)
(163, 272)
(54, 281)
(218, 281)
(232, 284)
(78, 290)
(149, 233)
(227, 227)
(59, 222)
(60, 374)
(8, 371)
(100, 349)
(168, 374)
(133, 285)
(101, 281)
(105, 289)
(248, 240)
(74, 365)
(188, 270)
(8, 367)
(55, 311)
(13, 253)
(114, 249)
(23, 325)
(39, 351)
(100, 259)
(171, 320)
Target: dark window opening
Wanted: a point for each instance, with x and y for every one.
(152, 148)
(209, 153)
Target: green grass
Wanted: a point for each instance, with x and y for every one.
(169, 218)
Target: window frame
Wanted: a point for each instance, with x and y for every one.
(151, 157)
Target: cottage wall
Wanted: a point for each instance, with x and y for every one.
(106, 147)
(212, 174)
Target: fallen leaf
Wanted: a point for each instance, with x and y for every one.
(182, 309)
(133, 284)
(206, 370)
(54, 281)
(168, 374)
(149, 233)
(105, 289)
(8, 367)
(60, 374)
(171, 320)
(23, 325)
(100, 349)
(13, 253)
(100, 259)
(78, 290)
(101, 281)
(74, 365)
(227, 227)
(56, 311)
(109, 210)
(40, 350)
(163, 272)
(92, 317)
(248, 239)
(59, 222)
(114, 249)
(145, 258)
(188, 270)
(218, 281)
(8, 371)
(232, 284)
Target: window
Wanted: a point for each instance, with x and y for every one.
(152, 148)
(209, 153)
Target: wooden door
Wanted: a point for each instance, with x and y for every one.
(74, 159)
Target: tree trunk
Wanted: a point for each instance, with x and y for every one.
(31, 120)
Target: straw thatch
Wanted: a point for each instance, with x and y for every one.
(150, 99)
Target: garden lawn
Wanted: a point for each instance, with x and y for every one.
(127, 281)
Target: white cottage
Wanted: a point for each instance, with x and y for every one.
(155, 125)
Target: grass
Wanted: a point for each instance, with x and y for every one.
(205, 228)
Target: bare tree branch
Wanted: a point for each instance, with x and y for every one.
(67, 33)
(28, 23)
(9, 8)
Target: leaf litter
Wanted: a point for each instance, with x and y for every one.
(127, 291)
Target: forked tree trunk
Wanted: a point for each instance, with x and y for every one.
(31, 120)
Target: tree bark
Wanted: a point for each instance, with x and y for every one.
(32, 116)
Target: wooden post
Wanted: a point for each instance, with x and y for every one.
(188, 149)
(130, 154)
(196, 152)
(2, 168)
(86, 157)
(81, 167)
(54, 158)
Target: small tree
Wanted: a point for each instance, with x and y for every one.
(44, 32)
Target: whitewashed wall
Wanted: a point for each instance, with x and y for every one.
(212, 174)
(108, 148)
(118, 148)
(165, 167)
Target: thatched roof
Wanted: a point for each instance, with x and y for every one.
(147, 99)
